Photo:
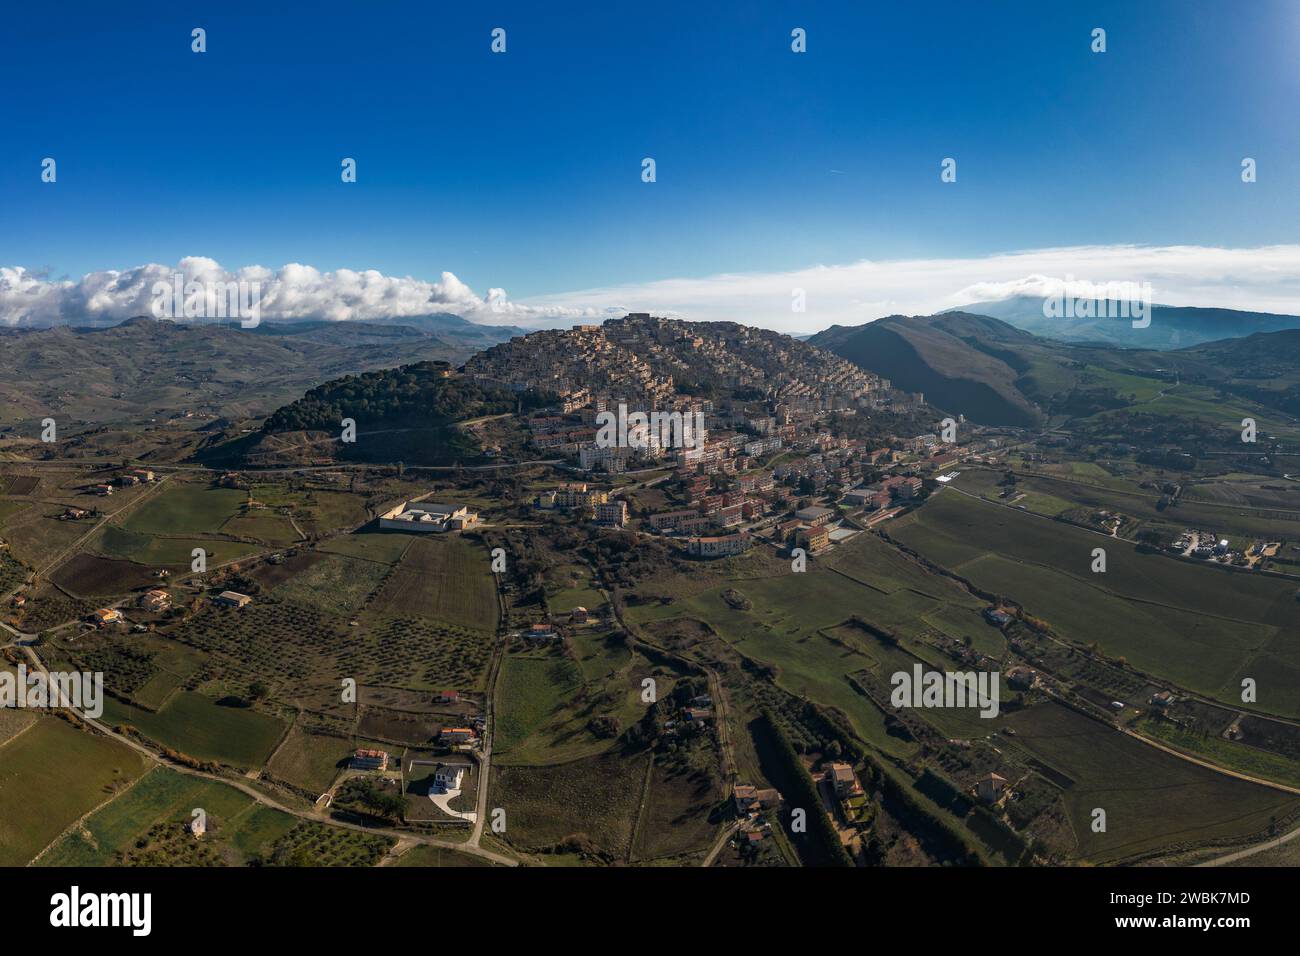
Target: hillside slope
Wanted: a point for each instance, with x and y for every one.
(147, 369)
(966, 364)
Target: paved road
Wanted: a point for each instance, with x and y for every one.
(1251, 851)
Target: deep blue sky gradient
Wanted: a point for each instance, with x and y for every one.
(523, 170)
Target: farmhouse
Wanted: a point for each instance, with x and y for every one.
(155, 600)
(106, 615)
(434, 517)
(232, 599)
(842, 778)
(456, 735)
(370, 760)
(990, 787)
(541, 632)
(750, 799)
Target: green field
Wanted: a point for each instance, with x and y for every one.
(595, 799)
(794, 616)
(237, 824)
(166, 552)
(50, 775)
(1204, 627)
(311, 761)
(272, 529)
(1153, 801)
(198, 727)
(384, 547)
(185, 509)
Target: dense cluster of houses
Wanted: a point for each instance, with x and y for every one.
(590, 502)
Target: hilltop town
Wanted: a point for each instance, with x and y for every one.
(641, 594)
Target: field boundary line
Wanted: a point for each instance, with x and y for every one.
(89, 813)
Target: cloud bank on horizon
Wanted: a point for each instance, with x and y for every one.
(1264, 279)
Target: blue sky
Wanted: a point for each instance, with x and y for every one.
(522, 170)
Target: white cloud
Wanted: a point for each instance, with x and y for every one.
(1264, 279)
(295, 291)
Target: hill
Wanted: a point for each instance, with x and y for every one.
(1172, 327)
(649, 359)
(410, 414)
(967, 364)
(994, 373)
(146, 369)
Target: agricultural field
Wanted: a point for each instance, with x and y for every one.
(269, 529)
(437, 856)
(91, 576)
(1205, 627)
(384, 547)
(204, 729)
(40, 796)
(36, 539)
(1153, 801)
(589, 805)
(549, 711)
(445, 579)
(309, 760)
(793, 624)
(158, 551)
(182, 509)
(683, 798)
(145, 826)
(335, 584)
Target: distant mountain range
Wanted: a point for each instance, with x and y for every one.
(994, 373)
(1171, 327)
(146, 368)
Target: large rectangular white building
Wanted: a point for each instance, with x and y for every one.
(433, 517)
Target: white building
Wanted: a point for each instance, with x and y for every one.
(449, 776)
(433, 517)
